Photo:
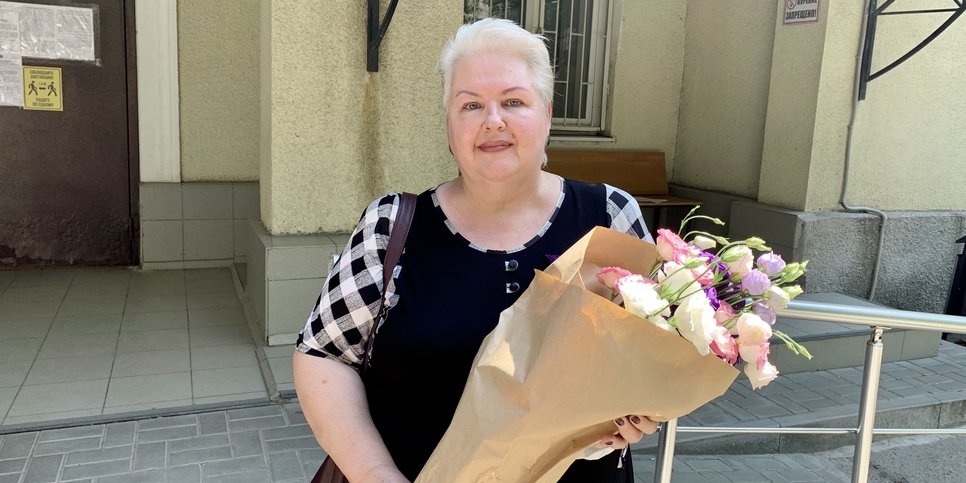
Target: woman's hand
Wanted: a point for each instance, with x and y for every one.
(630, 429)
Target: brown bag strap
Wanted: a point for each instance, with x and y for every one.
(397, 240)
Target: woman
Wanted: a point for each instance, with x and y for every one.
(471, 251)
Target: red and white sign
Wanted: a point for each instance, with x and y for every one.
(799, 11)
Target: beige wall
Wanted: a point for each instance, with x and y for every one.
(335, 136)
(646, 78)
(218, 76)
(724, 94)
(910, 152)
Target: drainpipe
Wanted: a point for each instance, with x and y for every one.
(869, 4)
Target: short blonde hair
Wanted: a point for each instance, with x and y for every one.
(503, 36)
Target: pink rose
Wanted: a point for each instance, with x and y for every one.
(608, 276)
(724, 312)
(631, 279)
(672, 248)
(724, 345)
(703, 275)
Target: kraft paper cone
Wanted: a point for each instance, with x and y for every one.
(560, 366)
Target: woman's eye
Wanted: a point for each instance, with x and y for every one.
(469, 106)
(514, 103)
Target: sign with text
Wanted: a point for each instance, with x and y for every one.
(42, 89)
(799, 11)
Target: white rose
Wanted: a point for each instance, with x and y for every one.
(752, 330)
(738, 259)
(677, 280)
(642, 299)
(695, 320)
(760, 378)
(777, 298)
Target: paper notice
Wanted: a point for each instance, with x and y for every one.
(11, 74)
(52, 32)
(11, 80)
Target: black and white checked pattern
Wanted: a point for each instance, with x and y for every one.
(346, 308)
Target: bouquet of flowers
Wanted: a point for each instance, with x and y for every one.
(565, 360)
(714, 293)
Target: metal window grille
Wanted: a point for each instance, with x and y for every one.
(577, 34)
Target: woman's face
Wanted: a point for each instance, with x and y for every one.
(497, 125)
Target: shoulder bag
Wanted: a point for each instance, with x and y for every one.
(329, 472)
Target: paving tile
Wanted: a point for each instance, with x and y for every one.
(148, 476)
(223, 356)
(232, 380)
(256, 476)
(91, 470)
(26, 309)
(168, 422)
(153, 288)
(70, 433)
(147, 389)
(207, 274)
(56, 347)
(119, 434)
(13, 374)
(164, 339)
(43, 469)
(40, 278)
(177, 319)
(100, 455)
(52, 416)
(199, 455)
(15, 350)
(212, 300)
(198, 442)
(25, 328)
(216, 285)
(59, 397)
(255, 412)
(83, 368)
(149, 455)
(183, 474)
(85, 324)
(242, 425)
(84, 306)
(164, 434)
(285, 466)
(51, 294)
(13, 466)
(282, 445)
(220, 335)
(235, 465)
(286, 432)
(155, 303)
(216, 316)
(17, 445)
(212, 423)
(245, 397)
(293, 413)
(151, 362)
(245, 444)
(154, 405)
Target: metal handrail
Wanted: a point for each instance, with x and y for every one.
(879, 320)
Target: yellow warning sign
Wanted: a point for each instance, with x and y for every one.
(42, 89)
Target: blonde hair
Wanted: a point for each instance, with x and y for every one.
(503, 36)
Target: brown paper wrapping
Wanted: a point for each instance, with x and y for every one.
(561, 365)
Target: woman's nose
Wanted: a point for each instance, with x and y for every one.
(493, 118)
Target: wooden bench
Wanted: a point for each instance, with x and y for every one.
(640, 173)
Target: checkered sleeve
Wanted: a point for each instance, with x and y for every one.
(345, 310)
(625, 214)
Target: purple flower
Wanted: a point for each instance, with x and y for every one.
(551, 258)
(712, 297)
(764, 313)
(755, 282)
(771, 263)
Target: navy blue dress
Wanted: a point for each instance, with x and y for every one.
(451, 294)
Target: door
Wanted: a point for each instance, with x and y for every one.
(68, 179)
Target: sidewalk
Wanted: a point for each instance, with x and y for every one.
(272, 443)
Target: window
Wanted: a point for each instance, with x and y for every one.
(577, 37)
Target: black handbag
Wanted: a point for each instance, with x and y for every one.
(329, 472)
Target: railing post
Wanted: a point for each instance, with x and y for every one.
(870, 389)
(665, 451)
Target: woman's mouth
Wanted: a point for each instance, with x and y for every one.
(494, 146)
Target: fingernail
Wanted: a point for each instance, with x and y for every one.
(609, 443)
(635, 420)
(619, 421)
